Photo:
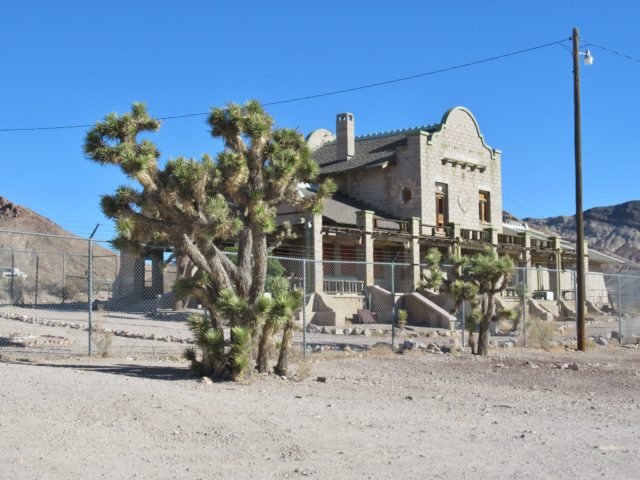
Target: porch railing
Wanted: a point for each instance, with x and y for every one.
(541, 244)
(510, 240)
(433, 231)
(391, 225)
(475, 235)
(341, 285)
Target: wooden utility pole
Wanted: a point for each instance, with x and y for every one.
(580, 277)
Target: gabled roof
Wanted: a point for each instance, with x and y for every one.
(370, 150)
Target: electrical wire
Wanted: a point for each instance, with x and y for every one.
(324, 94)
(611, 50)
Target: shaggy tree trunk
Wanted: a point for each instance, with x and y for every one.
(282, 367)
(483, 327)
(483, 338)
(264, 348)
(472, 343)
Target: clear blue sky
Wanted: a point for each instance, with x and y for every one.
(71, 62)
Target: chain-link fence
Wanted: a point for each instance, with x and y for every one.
(67, 296)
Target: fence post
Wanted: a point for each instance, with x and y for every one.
(64, 276)
(524, 307)
(393, 306)
(619, 312)
(463, 314)
(37, 275)
(90, 292)
(13, 264)
(304, 308)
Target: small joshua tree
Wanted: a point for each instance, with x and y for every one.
(478, 279)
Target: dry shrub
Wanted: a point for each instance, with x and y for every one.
(540, 334)
(102, 340)
(302, 365)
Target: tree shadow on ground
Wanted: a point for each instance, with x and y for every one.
(153, 372)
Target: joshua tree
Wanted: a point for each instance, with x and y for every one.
(477, 279)
(195, 205)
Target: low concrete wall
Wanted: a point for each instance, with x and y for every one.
(333, 310)
(381, 304)
(426, 313)
(537, 311)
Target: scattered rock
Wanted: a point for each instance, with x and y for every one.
(321, 379)
(205, 381)
(573, 366)
(408, 345)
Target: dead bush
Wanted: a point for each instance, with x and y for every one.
(540, 334)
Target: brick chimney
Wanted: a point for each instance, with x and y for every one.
(345, 136)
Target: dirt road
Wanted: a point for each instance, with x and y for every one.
(378, 416)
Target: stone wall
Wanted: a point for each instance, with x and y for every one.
(382, 187)
(457, 156)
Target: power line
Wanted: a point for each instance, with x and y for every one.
(325, 94)
(611, 50)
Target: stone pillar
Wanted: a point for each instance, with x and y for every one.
(415, 251)
(586, 257)
(557, 257)
(454, 233)
(453, 230)
(491, 237)
(157, 272)
(526, 258)
(365, 223)
(317, 276)
(138, 275)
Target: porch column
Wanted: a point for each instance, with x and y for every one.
(365, 223)
(586, 257)
(526, 258)
(586, 269)
(557, 256)
(157, 272)
(491, 236)
(138, 275)
(454, 234)
(317, 252)
(415, 251)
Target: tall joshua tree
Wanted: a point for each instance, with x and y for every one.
(195, 205)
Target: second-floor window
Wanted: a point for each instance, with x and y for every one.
(484, 206)
(441, 205)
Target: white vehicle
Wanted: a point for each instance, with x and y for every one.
(12, 273)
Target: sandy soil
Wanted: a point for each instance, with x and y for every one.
(378, 415)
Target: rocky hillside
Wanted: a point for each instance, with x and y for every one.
(614, 229)
(55, 261)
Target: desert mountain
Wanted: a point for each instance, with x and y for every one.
(55, 260)
(614, 229)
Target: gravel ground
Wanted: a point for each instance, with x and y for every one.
(379, 415)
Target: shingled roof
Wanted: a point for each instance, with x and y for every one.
(370, 150)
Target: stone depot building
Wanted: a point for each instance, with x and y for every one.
(400, 193)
